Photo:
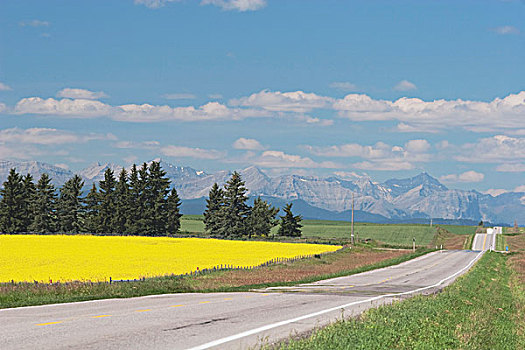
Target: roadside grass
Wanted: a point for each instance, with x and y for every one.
(478, 311)
(341, 263)
(501, 242)
(448, 240)
(516, 262)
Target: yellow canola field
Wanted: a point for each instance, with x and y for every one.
(96, 258)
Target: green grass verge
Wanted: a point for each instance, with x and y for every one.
(501, 242)
(476, 312)
(26, 294)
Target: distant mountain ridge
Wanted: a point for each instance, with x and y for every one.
(416, 198)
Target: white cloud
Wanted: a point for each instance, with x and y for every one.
(278, 159)
(71, 108)
(519, 189)
(141, 145)
(343, 86)
(34, 23)
(380, 156)
(296, 101)
(80, 94)
(385, 165)
(405, 85)
(417, 146)
(415, 114)
(179, 96)
(47, 136)
(506, 30)
(511, 168)
(237, 5)
(468, 176)
(496, 149)
(248, 144)
(209, 111)
(4, 87)
(154, 4)
(82, 108)
(198, 153)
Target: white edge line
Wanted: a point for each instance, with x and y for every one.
(300, 318)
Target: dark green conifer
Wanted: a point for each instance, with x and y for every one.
(27, 198)
(235, 210)
(214, 203)
(290, 224)
(12, 204)
(173, 213)
(70, 205)
(107, 202)
(261, 218)
(44, 206)
(91, 211)
(122, 203)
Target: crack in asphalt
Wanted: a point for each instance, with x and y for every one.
(196, 324)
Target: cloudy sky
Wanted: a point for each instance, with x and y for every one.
(384, 88)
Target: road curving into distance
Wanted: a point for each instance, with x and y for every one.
(224, 320)
(484, 242)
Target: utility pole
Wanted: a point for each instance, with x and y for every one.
(430, 222)
(352, 225)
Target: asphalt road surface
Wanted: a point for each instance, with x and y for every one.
(223, 320)
(483, 242)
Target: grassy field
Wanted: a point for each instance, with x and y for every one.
(479, 311)
(459, 230)
(395, 234)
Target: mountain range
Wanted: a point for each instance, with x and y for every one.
(418, 198)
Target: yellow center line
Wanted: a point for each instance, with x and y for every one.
(176, 305)
(265, 294)
(484, 241)
(204, 302)
(48, 323)
(100, 316)
(228, 298)
(145, 310)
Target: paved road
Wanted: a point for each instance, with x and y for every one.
(222, 320)
(483, 242)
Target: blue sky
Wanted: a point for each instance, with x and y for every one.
(327, 87)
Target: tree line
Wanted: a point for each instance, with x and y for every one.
(227, 214)
(136, 203)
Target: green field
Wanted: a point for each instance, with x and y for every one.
(459, 230)
(396, 234)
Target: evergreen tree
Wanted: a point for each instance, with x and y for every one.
(107, 202)
(290, 224)
(122, 202)
(235, 210)
(173, 213)
(143, 203)
(12, 218)
(27, 199)
(70, 205)
(261, 218)
(214, 203)
(44, 206)
(134, 215)
(156, 199)
(91, 211)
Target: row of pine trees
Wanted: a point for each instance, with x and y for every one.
(138, 203)
(228, 215)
